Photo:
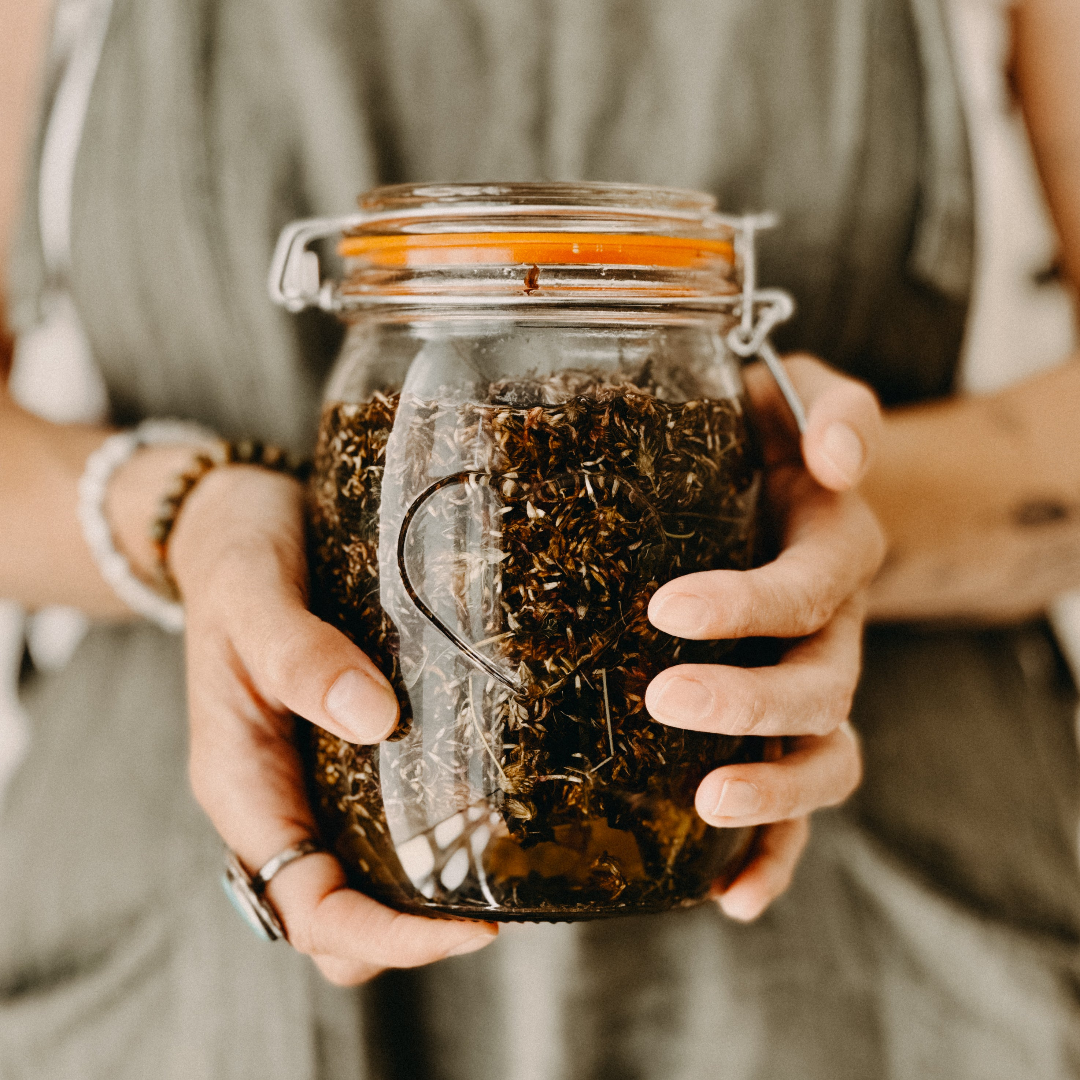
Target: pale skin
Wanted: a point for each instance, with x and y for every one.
(256, 656)
(980, 496)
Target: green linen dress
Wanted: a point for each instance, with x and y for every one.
(932, 929)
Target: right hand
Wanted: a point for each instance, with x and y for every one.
(813, 594)
(256, 657)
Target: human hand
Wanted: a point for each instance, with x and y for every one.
(814, 590)
(255, 658)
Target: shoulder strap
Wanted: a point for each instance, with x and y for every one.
(942, 254)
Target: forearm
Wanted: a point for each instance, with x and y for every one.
(980, 501)
(43, 557)
(1046, 72)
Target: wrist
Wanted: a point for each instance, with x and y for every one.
(134, 497)
(230, 519)
(100, 469)
(132, 491)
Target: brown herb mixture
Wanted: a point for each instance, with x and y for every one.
(597, 493)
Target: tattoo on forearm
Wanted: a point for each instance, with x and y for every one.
(1035, 513)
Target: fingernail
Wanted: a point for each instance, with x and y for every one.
(471, 945)
(738, 798)
(681, 614)
(361, 707)
(682, 699)
(844, 449)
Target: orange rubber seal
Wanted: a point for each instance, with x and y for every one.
(408, 250)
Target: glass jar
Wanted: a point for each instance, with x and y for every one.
(535, 420)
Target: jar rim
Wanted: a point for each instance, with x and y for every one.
(608, 242)
(540, 208)
(638, 199)
(559, 242)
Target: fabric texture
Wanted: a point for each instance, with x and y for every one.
(931, 928)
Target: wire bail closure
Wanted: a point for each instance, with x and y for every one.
(295, 283)
(761, 311)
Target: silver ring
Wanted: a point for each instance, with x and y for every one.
(247, 892)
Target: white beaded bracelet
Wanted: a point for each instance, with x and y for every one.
(93, 487)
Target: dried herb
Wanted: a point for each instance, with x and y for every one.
(528, 781)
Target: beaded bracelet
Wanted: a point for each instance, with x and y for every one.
(93, 488)
(246, 452)
(164, 610)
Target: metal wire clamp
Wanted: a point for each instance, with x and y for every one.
(761, 310)
(295, 284)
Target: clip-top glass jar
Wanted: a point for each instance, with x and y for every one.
(535, 420)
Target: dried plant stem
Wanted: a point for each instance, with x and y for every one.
(607, 712)
(580, 497)
(483, 738)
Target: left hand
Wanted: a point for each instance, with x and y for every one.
(257, 658)
(814, 590)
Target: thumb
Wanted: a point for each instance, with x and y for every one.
(305, 666)
(843, 420)
(843, 426)
(237, 553)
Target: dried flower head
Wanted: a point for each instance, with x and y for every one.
(582, 496)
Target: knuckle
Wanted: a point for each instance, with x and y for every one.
(852, 779)
(742, 618)
(749, 715)
(859, 400)
(302, 938)
(751, 613)
(280, 656)
(308, 933)
(781, 797)
(811, 602)
(402, 946)
(848, 771)
(835, 706)
(817, 701)
(874, 542)
(822, 720)
(820, 605)
(847, 731)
